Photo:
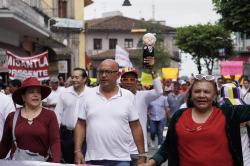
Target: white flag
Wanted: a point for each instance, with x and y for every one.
(122, 57)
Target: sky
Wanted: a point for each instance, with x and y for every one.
(175, 13)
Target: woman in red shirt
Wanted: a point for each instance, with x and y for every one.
(204, 133)
(36, 129)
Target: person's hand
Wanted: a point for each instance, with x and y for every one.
(149, 163)
(150, 61)
(79, 159)
(141, 160)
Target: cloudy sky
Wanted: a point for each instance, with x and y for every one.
(176, 13)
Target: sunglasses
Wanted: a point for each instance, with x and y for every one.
(128, 79)
(204, 77)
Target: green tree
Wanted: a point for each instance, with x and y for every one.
(235, 14)
(204, 42)
(162, 55)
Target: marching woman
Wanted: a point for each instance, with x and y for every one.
(204, 133)
(31, 132)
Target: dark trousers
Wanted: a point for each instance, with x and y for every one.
(67, 145)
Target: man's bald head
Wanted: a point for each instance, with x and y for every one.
(110, 62)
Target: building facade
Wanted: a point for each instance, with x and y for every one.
(103, 34)
(28, 27)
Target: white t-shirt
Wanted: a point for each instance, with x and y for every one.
(6, 107)
(142, 100)
(53, 97)
(67, 107)
(246, 98)
(244, 90)
(107, 124)
(245, 146)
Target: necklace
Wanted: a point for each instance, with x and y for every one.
(30, 121)
(31, 115)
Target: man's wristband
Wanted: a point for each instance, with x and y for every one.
(143, 155)
(76, 151)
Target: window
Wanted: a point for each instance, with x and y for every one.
(62, 8)
(128, 43)
(112, 43)
(97, 44)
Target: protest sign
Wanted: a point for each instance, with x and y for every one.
(170, 73)
(36, 65)
(146, 78)
(231, 68)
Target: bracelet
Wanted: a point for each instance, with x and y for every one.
(76, 151)
(142, 155)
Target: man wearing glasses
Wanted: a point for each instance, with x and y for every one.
(129, 79)
(104, 119)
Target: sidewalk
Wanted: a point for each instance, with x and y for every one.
(152, 151)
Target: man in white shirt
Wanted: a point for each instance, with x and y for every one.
(6, 106)
(245, 88)
(51, 101)
(107, 114)
(143, 98)
(67, 111)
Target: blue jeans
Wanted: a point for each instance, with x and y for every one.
(108, 162)
(156, 127)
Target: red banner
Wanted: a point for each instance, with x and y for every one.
(23, 67)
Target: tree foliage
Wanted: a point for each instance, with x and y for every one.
(204, 42)
(235, 14)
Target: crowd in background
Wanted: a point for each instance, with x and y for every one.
(156, 105)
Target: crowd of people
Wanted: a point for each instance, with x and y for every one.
(71, 122)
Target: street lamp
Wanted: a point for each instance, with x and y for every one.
(126, 3)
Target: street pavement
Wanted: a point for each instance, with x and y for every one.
(153, 150)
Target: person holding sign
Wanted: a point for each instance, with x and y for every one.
(142, 100)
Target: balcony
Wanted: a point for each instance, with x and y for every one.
(18, 16)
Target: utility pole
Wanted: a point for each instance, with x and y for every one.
(153, 10)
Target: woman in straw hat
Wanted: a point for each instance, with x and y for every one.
(36, 129)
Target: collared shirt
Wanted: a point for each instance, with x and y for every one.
(53, 97)
(6, 107)
(142, 100)
(107, 124)
(67, 107)
(157, 108)
(174, 102)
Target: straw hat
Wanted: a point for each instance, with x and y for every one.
(27, 83)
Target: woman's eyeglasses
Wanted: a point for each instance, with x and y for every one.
(204, 77)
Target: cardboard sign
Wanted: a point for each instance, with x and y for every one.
(170, 73)
(36, 66)
(146, 78)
